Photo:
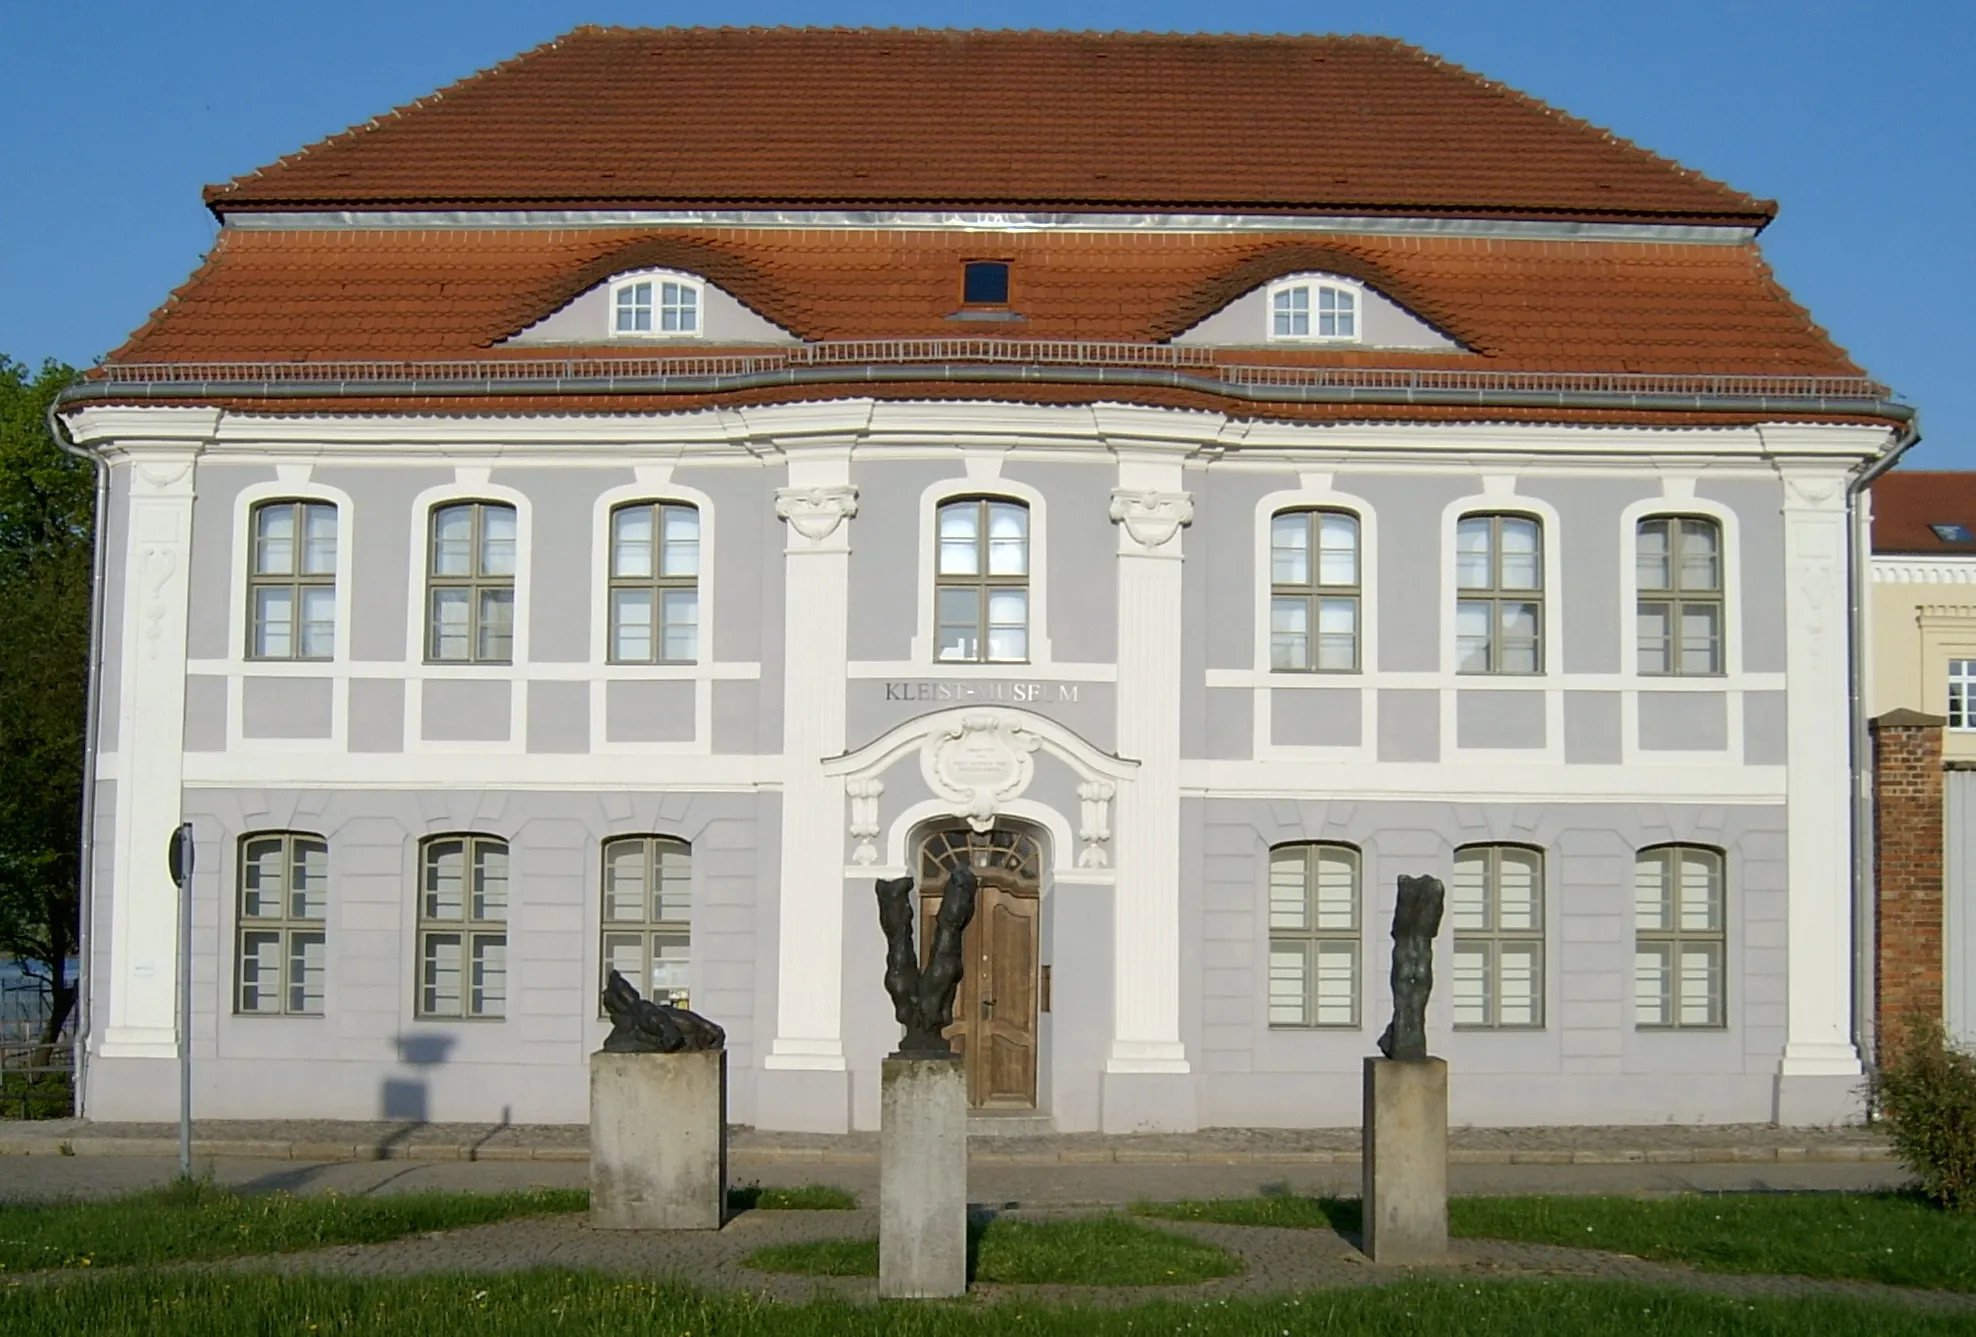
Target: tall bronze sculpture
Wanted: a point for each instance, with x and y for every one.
(1416, 920)
(640, 1026)
(923, 1000)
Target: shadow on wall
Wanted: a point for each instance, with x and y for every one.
(408, 1098)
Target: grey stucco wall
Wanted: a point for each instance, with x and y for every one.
(380, 599)
(1759, 508)
(217, 549)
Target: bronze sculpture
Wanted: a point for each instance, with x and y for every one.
(923, 1000)
(639, 1026)
(1416, 919)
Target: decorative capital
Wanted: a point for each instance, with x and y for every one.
(815, 512)
(1151, 518)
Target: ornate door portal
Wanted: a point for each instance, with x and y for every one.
(995, 1009)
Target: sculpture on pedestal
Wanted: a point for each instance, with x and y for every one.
(1416, 920)
(923, 1000)
(639, 1026)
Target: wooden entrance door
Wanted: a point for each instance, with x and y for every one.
(995, 1008)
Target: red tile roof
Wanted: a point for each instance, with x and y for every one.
(836, 118)
(1517, 305)
(1907, 501)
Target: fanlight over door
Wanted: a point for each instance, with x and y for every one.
(995, 1008)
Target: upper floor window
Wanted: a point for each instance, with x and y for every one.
(1314, 591)
(656, 306)
(655, 584)
(981, 582)
(648, 911)
(1499, 603)
(281, 937)
(1307, 309)
(470, 582)
(1962, 694)
(1497, 905)
(1678, 560)
(291, 581)
(1313, 935)
(463, 927)
(1679, 950)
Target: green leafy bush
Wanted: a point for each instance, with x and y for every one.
(1926, 1091)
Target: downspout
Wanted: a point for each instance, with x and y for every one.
(1859, 559)
(86, 871)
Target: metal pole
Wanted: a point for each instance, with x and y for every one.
(179, 852)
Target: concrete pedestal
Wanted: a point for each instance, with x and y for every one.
(658, 1141)
(922, 1179)
(1405, 1164)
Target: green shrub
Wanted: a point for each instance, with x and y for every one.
(1926, 1090)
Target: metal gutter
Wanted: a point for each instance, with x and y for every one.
(86, 871)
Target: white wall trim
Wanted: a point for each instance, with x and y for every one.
(1945, 570)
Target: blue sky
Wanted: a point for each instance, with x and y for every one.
(1858, 117)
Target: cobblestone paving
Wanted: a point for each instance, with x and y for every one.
(1275, 1261)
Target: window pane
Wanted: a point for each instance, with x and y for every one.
(1472, 553)
(308, 967)
(450, 620)
(497, 626)
(1289, 549)
(1288, 891)
(1008, 539)
(1701, 984)
(1519, 984)
(1287, 972)
(452, 541)
(1008, 625)
(625, 953)
(1469, 896)
(319, 550)
(1700, 906)
(631, 542)
(318, 622)
(671, 968)
(1521, 570)
(624, 883)
(1337, 889)
(1700, 569)
(1336, 1003)
(960, 628)
(631, 625)
(497, 540)
(274, 622)
(1470, 984)
(1656, 627)
(1337, 634)
(675, 891)
(308, 896)
(1651, 556)
(260, 972)
(274, 540)
(490, 975)
(439, 980)
(490, 880)
(682, 625)
(445, 879)
(1519, 649)
(1701, 635)
(1289, 634)
(1291, 312)
(1650, 900)
(1337, 313)
(1337, 549)
(261, 879)
(682, 542)
(1653, 984)
(1474, 622)
(960, 539)
(1519, 891)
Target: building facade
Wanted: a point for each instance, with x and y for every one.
(534, 553)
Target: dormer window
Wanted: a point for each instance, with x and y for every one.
(985, 283)
(1314, 311)
(1953, 533)
(656, 307)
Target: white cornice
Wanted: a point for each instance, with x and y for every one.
(1945, 570)
(128, 427)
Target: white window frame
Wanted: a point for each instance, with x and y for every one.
(240, 628)
(1961, 706)
(1499, 496)
(1314, 938)
(649, 926)
(1492, 937)
(987, 482)
(658, 279)
(1315, 286)
(285, 925)
(1679, 500)
(470, 484)
(468, 928)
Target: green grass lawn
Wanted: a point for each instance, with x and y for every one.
(1086, 1251)
(528, 1304)
(1887, 1237)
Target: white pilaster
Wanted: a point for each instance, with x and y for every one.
(818, 505)
(151, 742)
(1818, 1035)
(1150, 510)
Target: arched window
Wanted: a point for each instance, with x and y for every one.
(1313, 935)
(463, 927)
(470, 584)
(655, 583)
(281, 932)
(657, 306)
(1497, 905)
(1678, 563)
(981, 581)
(1314, 591)
(1305, 310)
(1499, 600)
(648, 914)
(291, 581)
(1680, 949)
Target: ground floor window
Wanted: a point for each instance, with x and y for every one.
(1680, 952)
(463, 927)
(1313, 935)
(648, 910)
(282, 935)
(1497, 905)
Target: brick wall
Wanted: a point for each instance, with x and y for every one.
(1908, 864)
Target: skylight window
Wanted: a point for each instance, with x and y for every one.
(985, 283)
(1307, 309)
(656, 306)
(1953, 533)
